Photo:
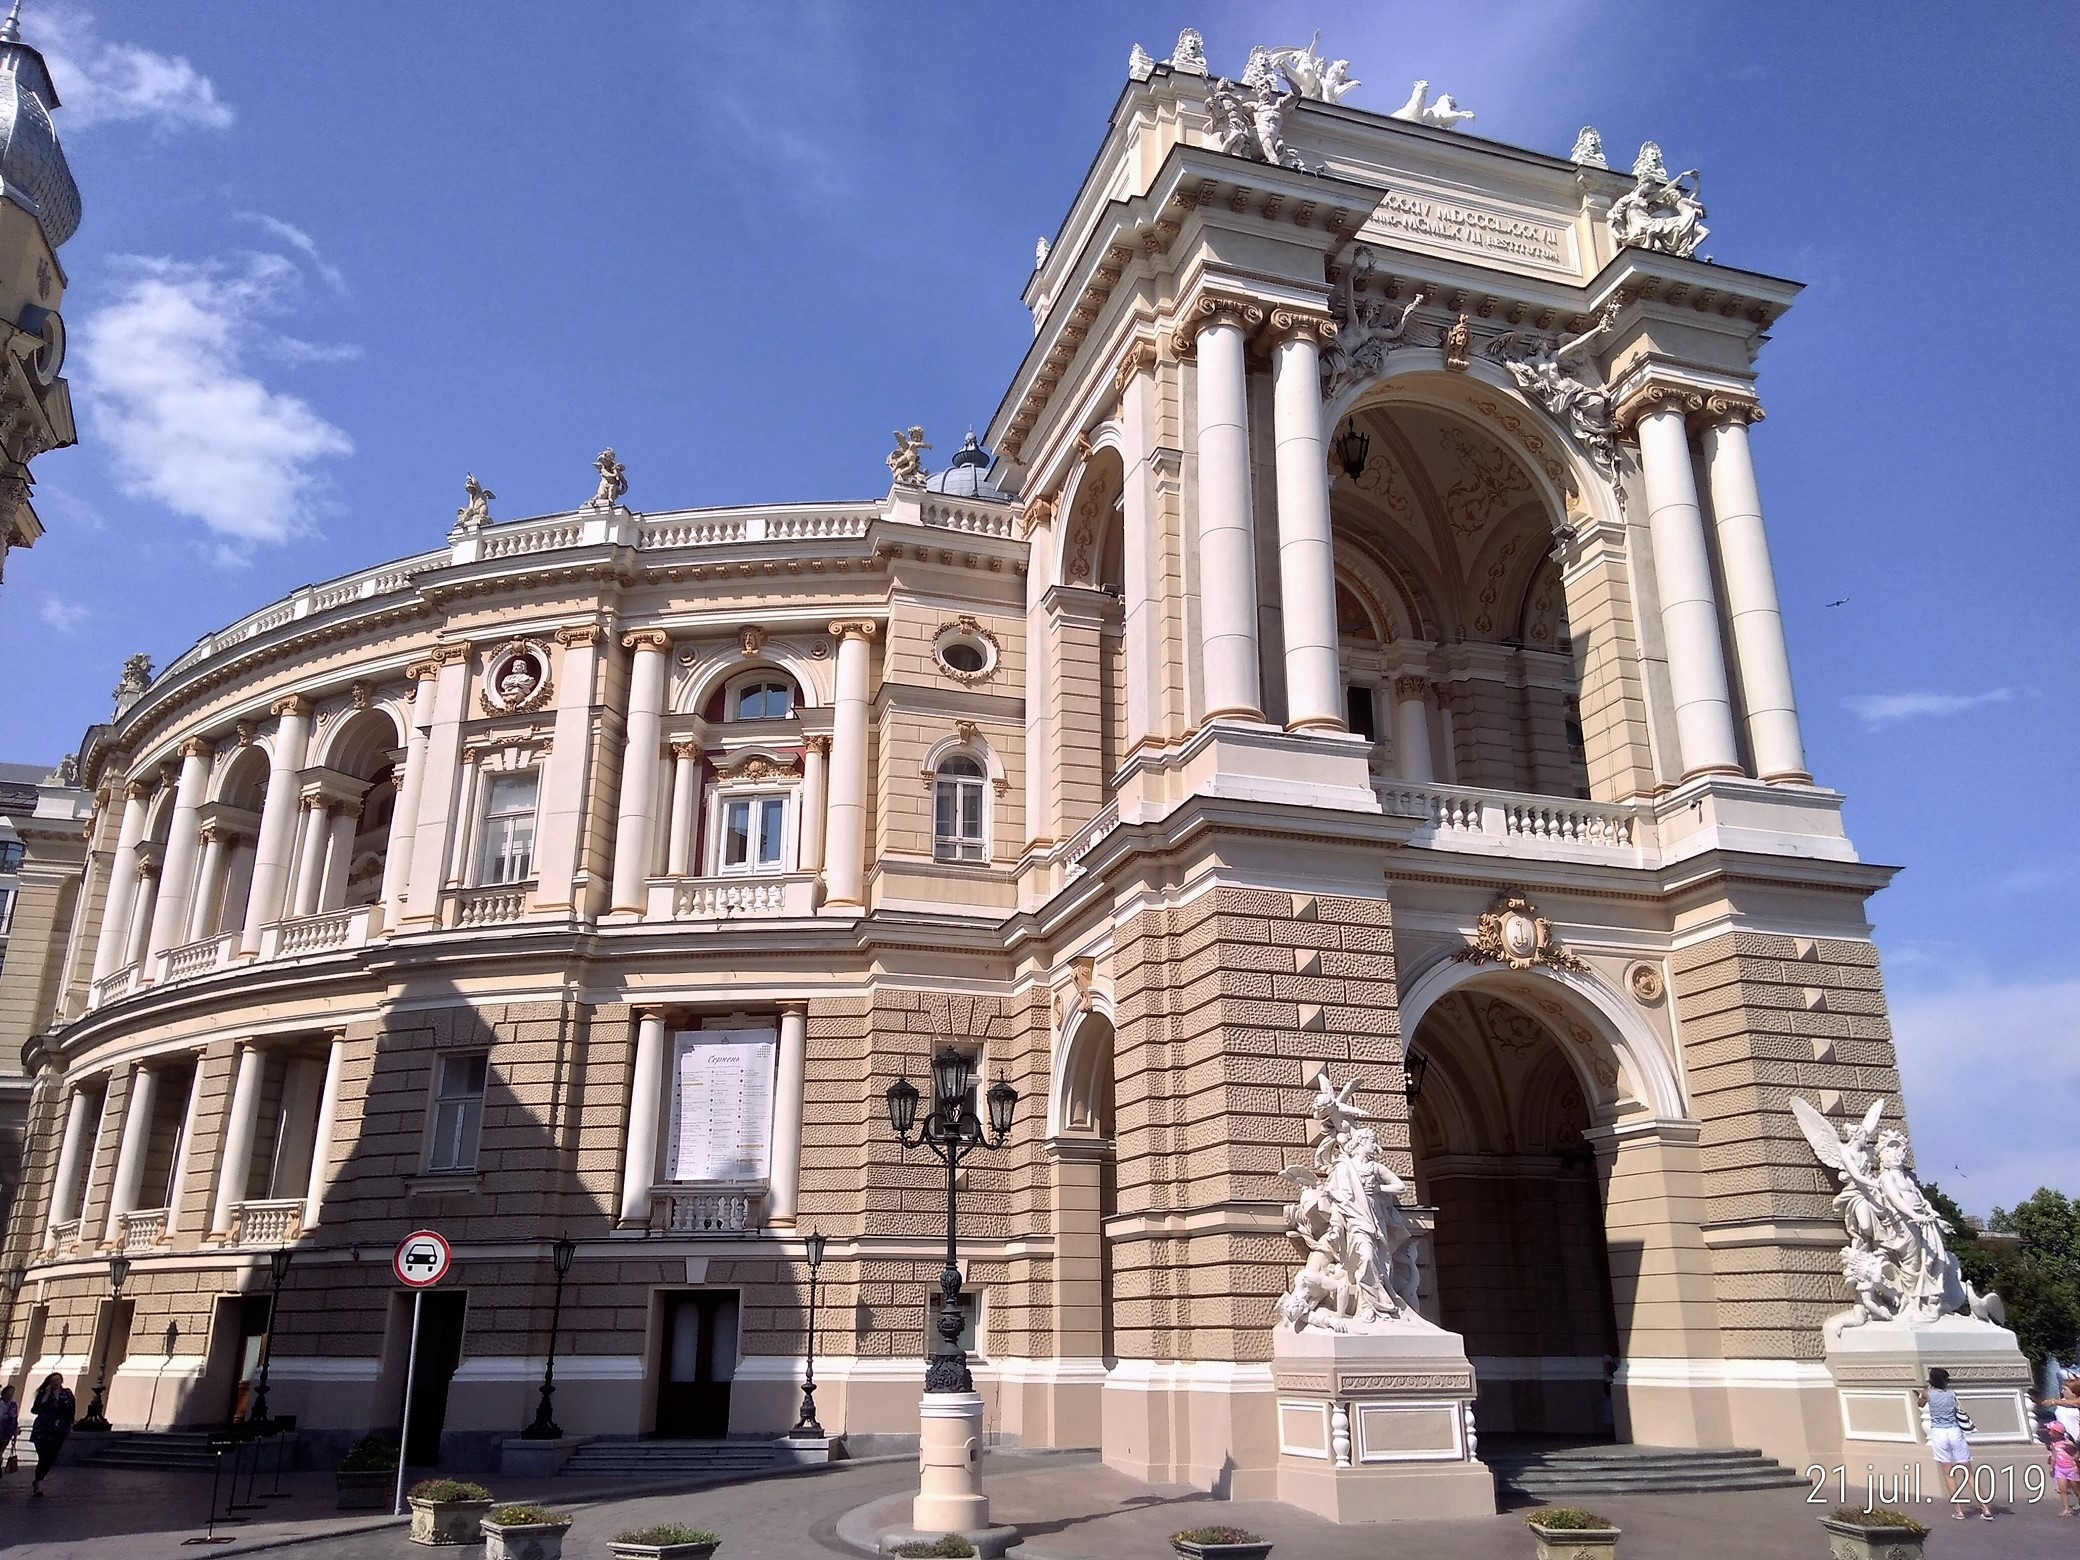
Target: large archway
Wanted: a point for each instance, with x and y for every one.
(1520, 1268)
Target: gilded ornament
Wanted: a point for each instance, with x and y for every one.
(1512, 932)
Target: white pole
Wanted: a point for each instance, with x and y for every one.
(404, 1431)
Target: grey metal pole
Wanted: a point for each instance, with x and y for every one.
(404, 1430)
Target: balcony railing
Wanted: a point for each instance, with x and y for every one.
(1516, 823)
(491, 905)
(1089, 837)
(197, 958)
(144, 1229)
(273, 1222)
(110, 987)
(718, 899)
(63, 1237)
(718, 1208)
(327, 932)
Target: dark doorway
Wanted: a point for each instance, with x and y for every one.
(700, 1358)
(252, 1338)
(440, 1352)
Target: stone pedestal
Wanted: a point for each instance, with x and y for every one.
(1879, 1367)
(949, 1465)
(1377, 1426)
(519, 1458)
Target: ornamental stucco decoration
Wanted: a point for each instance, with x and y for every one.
(1441, 114)
(1588, 149)
(1585, 410)
(1361, 1268)
(1366, 332)
(516, 678)
(906, 460)
(1189, 57)
(1661, 212)
(1896, 1262)
(1512, 932)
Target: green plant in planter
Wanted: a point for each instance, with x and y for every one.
(530, 1516)
(438, 1491)
(666, 1534)
(371, 1454)
(1216, 1535)
(950, 1547)
(1882, 1517)
(1567, 1519)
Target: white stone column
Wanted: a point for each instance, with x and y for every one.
(816, 752)
(1412, 730)
(845, 838)
(1306, 547)
(645, 1109)
(404, 819)
(65, 1197)
(639, 767)
(339, 855)
(310, 857)
(209, 885)
(183, 842)
(1689, 606)
(143, 901)
(236, 1163)
(1141, 545)
(122, 883)
(1762, 663)
(1227, 530)
(321, 1141)
(785, 1181)
(1041, 813)
(277, 820)
(177, 1187)
(686, 785)
(131, 1149)
(569, 771)
(438, 797)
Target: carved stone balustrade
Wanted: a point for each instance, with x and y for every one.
(327, 932)
(110, 988)
(203, 957)
(719, 899)
(272, 1222)
(143, 1229)
(488, 906)
(63, 1238)
(709, 1208)
(1513, 823)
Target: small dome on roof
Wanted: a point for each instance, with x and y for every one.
(32, 164)
(968, 476)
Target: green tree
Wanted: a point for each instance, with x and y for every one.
(2036, 1271)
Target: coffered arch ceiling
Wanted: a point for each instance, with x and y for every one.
(1455, 522)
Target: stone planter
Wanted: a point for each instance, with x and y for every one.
(1185, 1547)
(371, 1489)
(524, 1540)
(448, 1521)
(1574, 1543)
(1865, 1541)
(622, 1551)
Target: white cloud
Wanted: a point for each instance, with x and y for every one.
(63, 616)
(100, 82)
(1876, 710)
(1992, 1073)
(296, 238)
(163, 376)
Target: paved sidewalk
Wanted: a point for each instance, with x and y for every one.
(1069, 1508)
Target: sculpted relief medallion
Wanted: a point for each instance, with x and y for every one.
(516, 678)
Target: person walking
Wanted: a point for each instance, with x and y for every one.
(1953, 1453)
(10, 1427)
(52, 1408)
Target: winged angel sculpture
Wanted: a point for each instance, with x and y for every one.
(1361, 1265)
(1896, 1262)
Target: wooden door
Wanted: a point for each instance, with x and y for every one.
(699, 1359)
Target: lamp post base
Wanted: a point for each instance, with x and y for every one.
(949, 1456)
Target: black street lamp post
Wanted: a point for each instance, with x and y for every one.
(17, 1275)
(806, 1428)
(952, 1133)
(545, 1427)
(96, 1415)
(277, 1270)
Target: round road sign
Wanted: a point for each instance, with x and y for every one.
(422, 1260)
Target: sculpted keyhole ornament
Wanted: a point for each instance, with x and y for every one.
(1512, 932)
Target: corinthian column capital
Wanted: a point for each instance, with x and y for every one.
(1213, 308)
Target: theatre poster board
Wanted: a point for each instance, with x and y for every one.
(722, 1104)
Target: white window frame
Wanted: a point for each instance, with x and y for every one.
(487, 782)
(977, 1344)
(738, 686)
(983, 790)
(722, 798)
(463, 1101)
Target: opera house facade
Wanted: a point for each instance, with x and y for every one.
(1351, 644)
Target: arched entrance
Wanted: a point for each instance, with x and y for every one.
(1520, 1268)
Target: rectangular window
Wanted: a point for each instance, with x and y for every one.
(6, 910)
(458, 1112)
(507, 853)
(754, 831)
(971, 1323)
(1360, 715)
(958, 830)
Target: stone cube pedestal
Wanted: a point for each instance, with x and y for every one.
(1377, 1426)
(1879, 1367)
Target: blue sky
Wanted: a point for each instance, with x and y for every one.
(334, 256)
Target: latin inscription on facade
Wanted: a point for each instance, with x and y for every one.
(722, 1105)
(1453, 224)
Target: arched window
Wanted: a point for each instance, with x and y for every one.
(762, 699)
(959, 814)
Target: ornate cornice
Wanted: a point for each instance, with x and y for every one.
(852, 628)
(647, 639)
(1245, 314)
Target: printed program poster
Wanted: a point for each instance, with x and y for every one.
(722, 1104)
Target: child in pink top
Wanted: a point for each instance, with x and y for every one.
(2065, 1472)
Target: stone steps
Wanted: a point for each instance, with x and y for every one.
(147, 1449)
(1563, 1473)
(627, 1457)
